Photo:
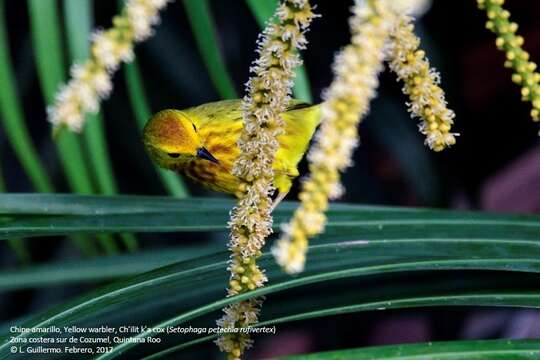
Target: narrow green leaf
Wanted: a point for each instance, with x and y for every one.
(78, 19)
(137, 96)
(500, 299)
(408, 351)
(43, 215)
(172, 181)
(302, 89)
(94, 135)
(202, 24)
(107, 243)
(449, 350)
(95, 141)
(97, 269)
(73, 162)
(17, 245)
(46, 39)
(47, 45)
(13, 119)
(70, 204)
(130, 242)
(263, 11)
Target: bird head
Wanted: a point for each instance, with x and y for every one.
(171, 138)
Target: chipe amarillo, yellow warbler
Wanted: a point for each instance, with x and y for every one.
(201, 142)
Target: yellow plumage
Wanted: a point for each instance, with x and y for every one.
(201, 142)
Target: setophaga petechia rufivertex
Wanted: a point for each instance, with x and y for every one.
(201, 142)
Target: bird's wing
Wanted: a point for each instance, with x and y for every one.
(301, 120)
(223, 118)
(215, 113)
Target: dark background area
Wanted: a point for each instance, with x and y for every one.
(494, 166)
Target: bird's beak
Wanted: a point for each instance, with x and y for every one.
(205, 154)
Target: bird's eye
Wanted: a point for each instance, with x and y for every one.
(173, 155)
(194, 127)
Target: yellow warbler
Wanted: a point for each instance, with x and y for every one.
(201, 142)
